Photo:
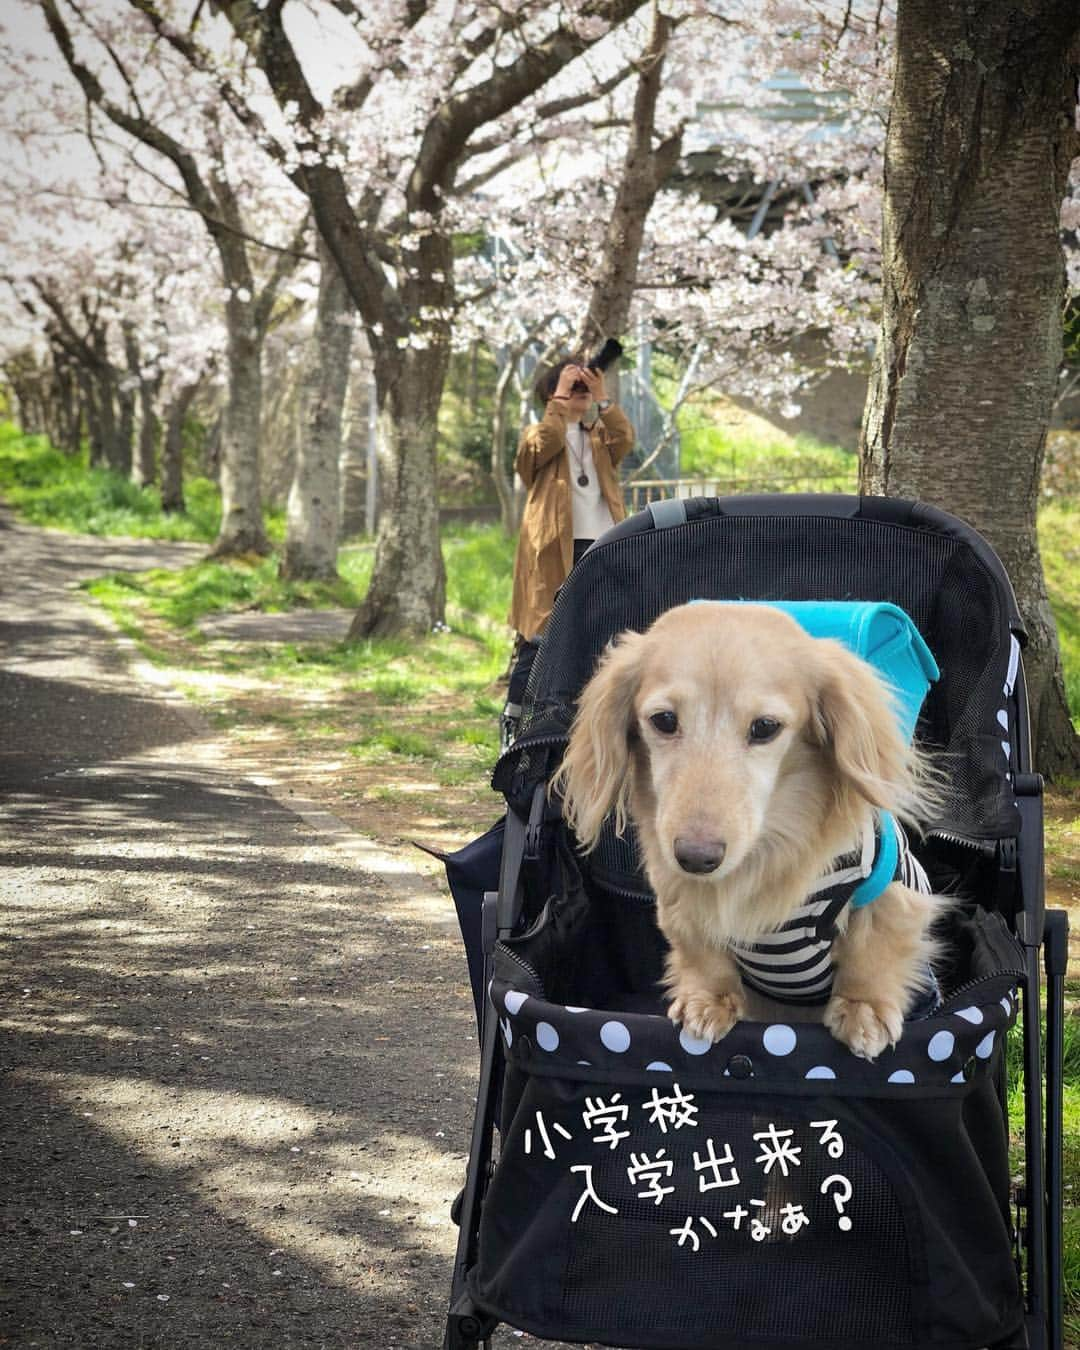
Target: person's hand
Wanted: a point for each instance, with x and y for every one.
(595, 381)
(568, 377)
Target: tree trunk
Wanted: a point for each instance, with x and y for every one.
(47, 403)
(355, 441)
(981, 135)
(172, 454)
(144, 469)
(99, 397)
(145, 447)
(20, 391)
(124, 459)
(69, 409)
(95, 432)
(313, 521)
(110, 406)
(645, 169)
(242, 529)
(407, 593)
(501, 476)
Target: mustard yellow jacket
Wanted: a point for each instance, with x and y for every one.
(545, 550)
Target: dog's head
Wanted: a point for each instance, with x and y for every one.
(727, 730)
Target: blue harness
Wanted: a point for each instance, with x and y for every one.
(794, 964)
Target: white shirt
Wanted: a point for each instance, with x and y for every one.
(592, 517)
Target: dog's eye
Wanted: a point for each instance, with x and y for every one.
(666, 723)
(763, 729)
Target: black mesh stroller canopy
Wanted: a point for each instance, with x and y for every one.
(930, 565)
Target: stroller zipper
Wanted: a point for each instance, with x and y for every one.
(524, 743)
(963, 991)
(532, 977)
(624, 892)
(974, 845)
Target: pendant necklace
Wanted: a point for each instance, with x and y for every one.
(583, 477)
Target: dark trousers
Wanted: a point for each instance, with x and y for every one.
(524, 656)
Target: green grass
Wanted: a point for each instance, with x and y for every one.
(479, 570)
(182, 598)
(771, 465)
(50, 488)
(1059, 544)
(395, 688)
(409, 744)
(754, 456)
(60, 491)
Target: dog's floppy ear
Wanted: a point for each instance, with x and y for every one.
(853, 716)
(595, 773)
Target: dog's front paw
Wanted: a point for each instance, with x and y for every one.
(865, 1028)
(705, 1015)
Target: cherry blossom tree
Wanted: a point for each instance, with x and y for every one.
(753, 311)
(380, 157)
(189, 137)
(114, 295)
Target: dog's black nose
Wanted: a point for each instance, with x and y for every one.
(701, 856)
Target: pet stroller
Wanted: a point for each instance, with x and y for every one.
(630, 1186)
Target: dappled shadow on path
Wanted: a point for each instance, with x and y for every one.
(214, 1024)
(50, 726)
(237, 1068)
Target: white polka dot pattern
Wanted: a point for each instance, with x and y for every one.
(944, 1051)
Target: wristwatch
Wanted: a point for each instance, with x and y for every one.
(604, 404)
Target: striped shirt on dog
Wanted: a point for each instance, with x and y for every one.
(794, 964)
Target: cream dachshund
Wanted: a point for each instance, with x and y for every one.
(751, 756)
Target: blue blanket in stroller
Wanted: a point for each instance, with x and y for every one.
(882, 634)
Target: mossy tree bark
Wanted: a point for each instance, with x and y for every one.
(982, 131)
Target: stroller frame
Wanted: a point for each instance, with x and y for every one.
(1037, 1237)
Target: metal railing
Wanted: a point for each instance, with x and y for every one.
(639, 494)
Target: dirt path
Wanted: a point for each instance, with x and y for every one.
(238, 1053)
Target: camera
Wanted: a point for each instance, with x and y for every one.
(608, 354)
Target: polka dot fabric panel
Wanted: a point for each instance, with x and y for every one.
(942, 1053)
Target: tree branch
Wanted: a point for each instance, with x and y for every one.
(355, 96)
(138, 127)
(265, 38)
(196, 57)
(464, 113)
(283, 268)
(112, 55)
(557, 108)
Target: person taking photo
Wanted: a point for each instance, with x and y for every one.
(568, 463)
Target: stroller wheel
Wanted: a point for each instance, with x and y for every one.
(454, 1341)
